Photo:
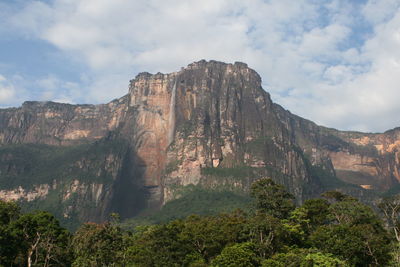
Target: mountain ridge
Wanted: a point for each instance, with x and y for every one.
(210, 124)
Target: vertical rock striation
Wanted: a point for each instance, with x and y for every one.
(171, 121)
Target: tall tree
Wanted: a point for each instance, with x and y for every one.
(351, 211)
(390, 207)
(43, 239)
(304, 258)
(360, 245)
(305, 219)
(98, 245)
(237, 255)
(267, 233)
(272, 198)
(9, 244)
(160, 245)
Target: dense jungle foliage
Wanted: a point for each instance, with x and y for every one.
(335, 230)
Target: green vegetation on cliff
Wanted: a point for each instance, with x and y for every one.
(54, 170)
(234, 172)
(194, 200)
(27, 165)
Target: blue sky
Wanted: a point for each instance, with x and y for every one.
(335, 62)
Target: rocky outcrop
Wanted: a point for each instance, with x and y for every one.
(210, 124)
(59, 124)
(369, 159)
(40, 191)
(225, 120)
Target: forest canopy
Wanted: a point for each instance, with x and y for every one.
(334, 230)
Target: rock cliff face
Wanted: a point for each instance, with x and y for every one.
(210, 124)
(370, 160)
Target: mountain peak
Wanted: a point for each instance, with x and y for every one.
(209, 124)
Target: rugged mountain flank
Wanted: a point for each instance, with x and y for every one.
(210, 124)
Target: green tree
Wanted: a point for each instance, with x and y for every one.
(350, 211)
(335, 196)
(207, 236)
(9, 211)
(354, 232)
(304, 258)
(192, 241)
(43, 240)
(98, 245)
(267, 233)
(304, 220)
(318, 259)
(361, 245)
(160, 245)
(315, 211)
(237, 255)
(272, 198)
(9, 245)
(390, 207)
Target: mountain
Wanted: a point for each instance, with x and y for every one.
(210, 124)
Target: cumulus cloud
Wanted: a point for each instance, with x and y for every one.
(12, 90)
(16, 89)
(57, 90)
(335, 62)
(7, 91)
(360, 94)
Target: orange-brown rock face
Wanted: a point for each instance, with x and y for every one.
(210, 124)
(225, 120)
(151, 97)
(59, 124)
(371, 159)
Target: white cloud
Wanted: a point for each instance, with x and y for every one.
(366, 98)
(34, 17)
(378, 11)
(310, 54)
(108, 87)
(57, 90)
(7, 91)
(16, 89)
(10, 90)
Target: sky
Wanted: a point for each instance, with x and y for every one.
(336, 62)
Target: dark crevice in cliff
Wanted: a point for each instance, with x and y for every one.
(129, 194)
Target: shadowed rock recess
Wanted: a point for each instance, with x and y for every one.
(210, 124)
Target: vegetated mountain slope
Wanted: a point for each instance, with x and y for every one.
(209, 124)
